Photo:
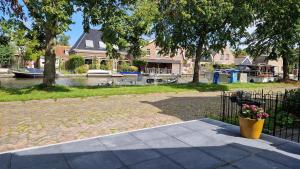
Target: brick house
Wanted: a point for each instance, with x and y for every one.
(61, 53)
(224, 57)
(90, 46)
(277, 63)
(165, 64)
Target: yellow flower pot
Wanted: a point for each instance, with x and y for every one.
(251, 128)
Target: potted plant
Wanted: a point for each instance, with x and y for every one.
(251, 121)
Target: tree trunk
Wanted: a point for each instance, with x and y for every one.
(49, 67)
(196, 64)
(285, 68)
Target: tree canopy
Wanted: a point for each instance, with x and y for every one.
(200, 26)
(276, 31)
(63, 40)
(123, 23)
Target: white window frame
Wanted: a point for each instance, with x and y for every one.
(89, 43)
(102, 45)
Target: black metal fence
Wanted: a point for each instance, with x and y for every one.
(283, 108)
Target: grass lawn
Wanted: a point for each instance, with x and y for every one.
(38, 93)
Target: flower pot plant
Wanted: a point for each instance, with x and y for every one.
(251, 121)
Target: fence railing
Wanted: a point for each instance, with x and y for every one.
(158, 71)
(283, 108)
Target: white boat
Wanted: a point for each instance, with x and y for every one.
(95, 71)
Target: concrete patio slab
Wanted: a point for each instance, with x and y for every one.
(198, 144)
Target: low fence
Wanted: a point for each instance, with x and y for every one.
(158, 71)
(283, 108)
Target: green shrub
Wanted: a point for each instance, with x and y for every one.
(75, 62)
(133, 69)
(82, 69)
(223, 66)
(104, 67)
(96, 63)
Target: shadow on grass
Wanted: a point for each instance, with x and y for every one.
(58, 88)
(29, 90)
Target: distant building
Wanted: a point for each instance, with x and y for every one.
(245, 60)
(61, 53)
(277, 63)
(224, 57)
(163, 64)
(90, 46)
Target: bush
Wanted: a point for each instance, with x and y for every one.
(82, 69)
(104, 67)
(223, 66)
(133, 69)
(125, 67)
(75, 62)
(140, 64)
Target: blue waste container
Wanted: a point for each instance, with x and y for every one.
(216, 78)
(233, 76)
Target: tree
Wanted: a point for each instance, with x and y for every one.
(199, 26)
(123, 23)
(63, 40)
(276, 31)
(53, 17)
(6, 53)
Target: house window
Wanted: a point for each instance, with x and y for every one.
(222, 57)
(89, 43)
(66, 52)
(102, 45)
(88, 61)
(227, 56)
(157, 53)
(148, 52)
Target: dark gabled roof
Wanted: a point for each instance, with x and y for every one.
(260, 59)
(206, 59)
(93, 35)
(242, 61)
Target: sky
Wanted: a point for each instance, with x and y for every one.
(76, 29)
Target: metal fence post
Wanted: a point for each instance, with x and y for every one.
(275, 115)
(223, 106)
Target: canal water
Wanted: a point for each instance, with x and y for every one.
(87, 81)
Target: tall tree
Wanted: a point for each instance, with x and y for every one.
(199, 26)
(276, 31)
(123, 23)
(54, 18)
(63, 39)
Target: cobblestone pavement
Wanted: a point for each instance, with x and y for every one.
(35, 123)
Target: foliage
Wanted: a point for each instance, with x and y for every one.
(276, 31)
(74, 62)
(224, 66)
(133, 69)
(95, 63)
(200, 26)
(123, 23)
(52, 18)
(125, 67)
(6, 53)
(240, 53)
(253, 112)
(82, 69)
(104, 67)
(63, 40)
(139, 62)
(209, 67)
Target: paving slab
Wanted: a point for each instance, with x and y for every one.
(189, 145)
(195, 159)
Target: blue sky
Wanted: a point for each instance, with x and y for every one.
(76, 29)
